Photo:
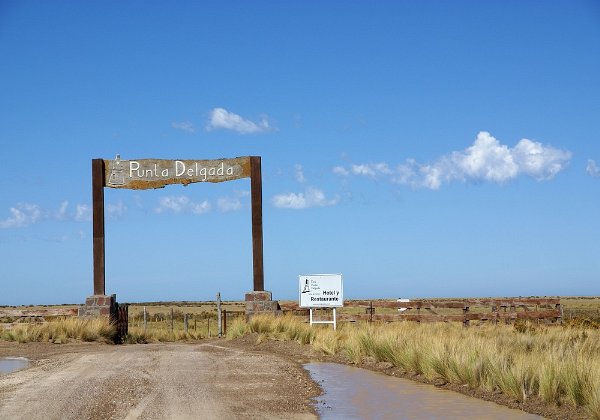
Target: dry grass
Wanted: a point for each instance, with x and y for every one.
(560, 365)
(61, 331)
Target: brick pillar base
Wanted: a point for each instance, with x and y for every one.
(261, 303)
(100, 305)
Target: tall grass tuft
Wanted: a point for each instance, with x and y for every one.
(560, 365)
(62, 331)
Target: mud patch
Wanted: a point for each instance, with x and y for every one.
(356, 393)
(12, 364)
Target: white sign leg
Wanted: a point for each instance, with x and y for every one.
(334, 320)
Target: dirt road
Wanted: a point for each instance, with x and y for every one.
(155, 381)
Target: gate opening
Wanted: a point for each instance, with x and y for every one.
(157, 173)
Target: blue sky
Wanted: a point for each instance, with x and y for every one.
(421, 149)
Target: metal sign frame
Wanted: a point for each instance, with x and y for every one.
(250, 167)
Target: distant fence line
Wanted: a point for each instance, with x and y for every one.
(506, 310)
(37, 313)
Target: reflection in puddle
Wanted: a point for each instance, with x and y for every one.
(11, 364)
(353, 393)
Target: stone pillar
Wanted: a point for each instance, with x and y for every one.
(261, 302)
(100, 305)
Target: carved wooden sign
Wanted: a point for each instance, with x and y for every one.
(144, 174)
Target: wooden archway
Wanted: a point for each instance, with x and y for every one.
(157, 173)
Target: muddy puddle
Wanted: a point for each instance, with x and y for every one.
(353, 393)
(11, 364)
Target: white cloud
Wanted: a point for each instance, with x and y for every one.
(184, 126)
(61, 214)
(227, 204)
(22, 215)
(114, 211)
(300, 174)
(371, 169)
(83, 213)
(220, 118)
(312, 197)
(485, 160)
(174, 204)
(182, 203)
(341, 171)
(592, 169)
(200, 208)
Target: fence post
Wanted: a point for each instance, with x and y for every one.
(208, 326)
(185, 323)
(219, 326)
(171, 319)
(371, 311)
(560, 307)
(224, 322)
(465, 319)
(145, 320)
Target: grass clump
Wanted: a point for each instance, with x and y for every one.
(62, 331)
(559, 365)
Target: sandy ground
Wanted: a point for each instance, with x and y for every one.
(208, 380)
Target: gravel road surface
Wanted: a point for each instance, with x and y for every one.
(155, 381)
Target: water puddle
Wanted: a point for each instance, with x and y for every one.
(353, 393)
(11, 364)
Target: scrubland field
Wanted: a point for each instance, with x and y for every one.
(556, 365)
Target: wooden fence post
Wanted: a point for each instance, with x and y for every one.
(224, 322)
(185, 323)
(219, 325)
(465, 319)
(145, 320)
(171, 319)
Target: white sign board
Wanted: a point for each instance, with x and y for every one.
(321, 291)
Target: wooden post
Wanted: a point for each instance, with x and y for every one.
(465, 319)
(185, 323)
(219, 326)
(145, 320)
(98, 225)
(257, 223)
(194, 323)
(224, 322)
(171, 319)
(208, 326)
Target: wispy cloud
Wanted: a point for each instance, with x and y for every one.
(25, 214)
(311, 197)
(485, 160)
(227, 204)
(220, 118)
(371, 169)
(83, 213)
(180, 204)
(592, 168)
(22, 215)
(340, 171)
(62, 214)
(184, 126)
(114, 211)
(300, 174)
